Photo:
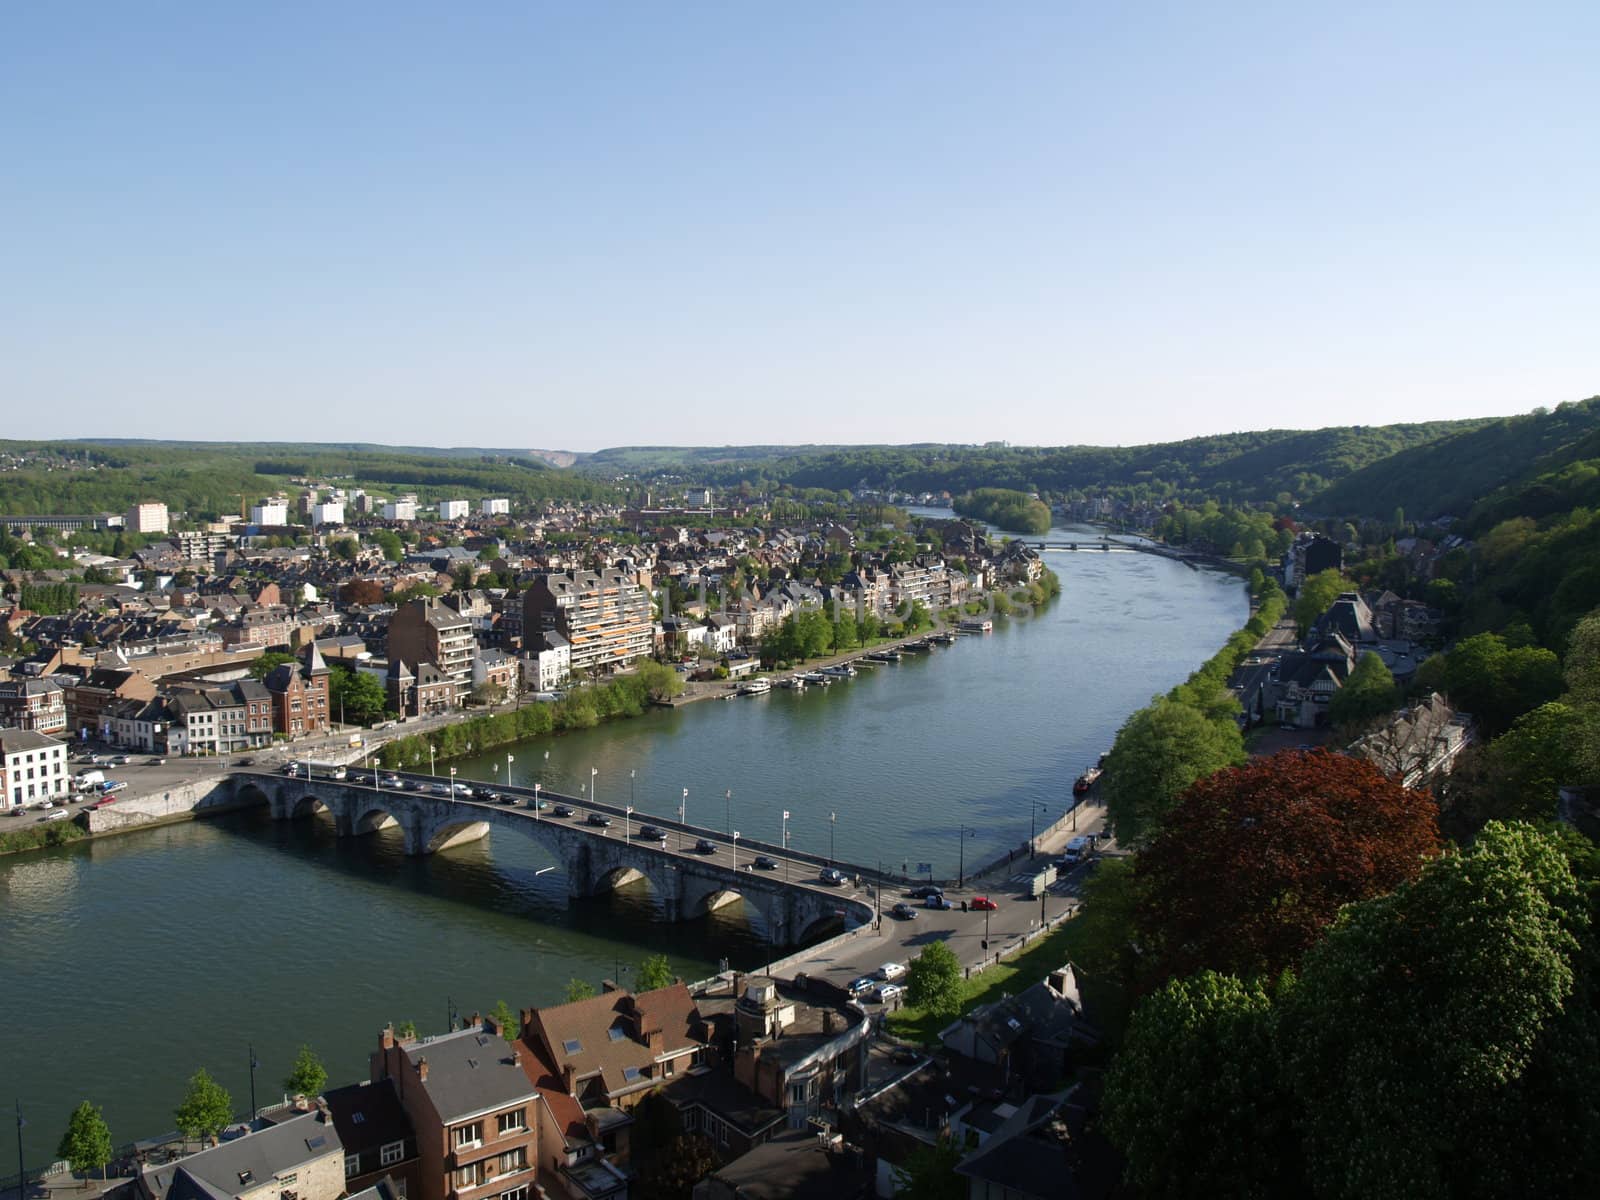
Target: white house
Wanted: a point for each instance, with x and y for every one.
(33, 767)
(549, 662)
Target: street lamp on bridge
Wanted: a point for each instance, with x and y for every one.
(961, 857)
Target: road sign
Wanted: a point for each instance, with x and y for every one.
(924, 868)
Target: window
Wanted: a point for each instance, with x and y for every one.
(519, 1193)
(797, 1093)
(631, 1074)
(511, 1122)
(617, 1033)
(469, 1135)
(286, 1180)
(392, 1153)
(352, 1165)
(572, 1046)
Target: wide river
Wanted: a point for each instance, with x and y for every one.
(127, 963)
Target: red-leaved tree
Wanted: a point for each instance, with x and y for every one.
(1254, 862)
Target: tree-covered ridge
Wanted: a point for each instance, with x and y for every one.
(1452, 474)
(1015, 512)
(1257, 466)
(211, 478)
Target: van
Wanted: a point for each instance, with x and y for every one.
(89, 779)
(891, 971)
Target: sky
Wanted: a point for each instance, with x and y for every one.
(575, 225)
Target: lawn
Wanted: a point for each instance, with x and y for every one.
(1062, 944)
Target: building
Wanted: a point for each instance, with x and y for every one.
(400, 510)
(200, 545)
(270, 513)
(376, 1135)
(148, 516)
(329, 513)
(297, 1159)
(604, 616)
(494, 508)
(33, 767)
(428, 631)
(36, 704)
(89, 697)
(420, 693)
(471, 1108)
(268, 625)
(549, 662)
(798, 1165)
(454, 510)
(219, 720)
(299, 692)
(806, 1057)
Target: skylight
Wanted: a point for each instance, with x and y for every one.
(572, 1046)
(617, 1033)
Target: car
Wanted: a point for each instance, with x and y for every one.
(904, 912)
(984, 904)
(705, 846)
(833, 877)
(888, 991)
(937, 902)
(47, 804)
(926, 890)
(155, 762)
(17, 812)
(60, 814)
(463, 789)
(650, 833)
(860, 987)
(439, 789)
(500, 797)
(338, 773)
(394, 781)
(598, 820)
(891, 971)
(763, 863)
(291, 768)
(119, 760)
(112, 785)
(561, 810)
(535, 803)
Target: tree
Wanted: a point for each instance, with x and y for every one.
(1160, 751)
(344, 549)
(579, 989)
(1497, 684)
(1316, 593)
(1104, 928)
(358, 593)
(1519, 775)
(661, 682)
(86, 1144)
(206, 1109)
(504, 1020)
(389, 542)
(1252, 864)
(929, 1173)
(683, 1163)
(933, 980)
(1582, 668)
(405, 1029)
(1195, 1099)
(261, 666)
(1368, 694)
(1419, 1022)
(308, 1076)
(356, 696)
(654, 972)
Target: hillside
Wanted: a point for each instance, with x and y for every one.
(1452, 474)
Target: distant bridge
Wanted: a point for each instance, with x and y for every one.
(1194, 559)
(791, 898)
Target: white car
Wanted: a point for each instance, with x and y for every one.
(889, 991)
(891, 971)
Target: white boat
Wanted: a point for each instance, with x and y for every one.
(794, 682)
(840, 671)
(977, 625)
(755, 687)
(816, 677)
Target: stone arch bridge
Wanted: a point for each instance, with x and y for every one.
(685, 884)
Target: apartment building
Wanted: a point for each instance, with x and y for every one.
(36, 704)
(400, 510)
(471, 1107)
(89, 697)
(329, 513)
(270, 512)
(453, 510)
(428, 631)
(494, 507)
(149, 516)
(33, 767)
(605, 616)
(299, 692)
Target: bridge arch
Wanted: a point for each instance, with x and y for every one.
(310, 805)
(373, 819)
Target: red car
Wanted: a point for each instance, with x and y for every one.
(980, 903)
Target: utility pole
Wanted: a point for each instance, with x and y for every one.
(253, 1065)
(22, 1174)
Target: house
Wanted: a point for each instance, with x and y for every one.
(1042, 1150)
(1029, 1036)
(1419, 743)
(805, 1164)
(89, 696)
(299, 692)
(470, 1105)
(431, 632)
(33, 767)
(722, 634)
(39, 704)
(420, 691)
(300, 1158)
(549, 661)
(376, 1135)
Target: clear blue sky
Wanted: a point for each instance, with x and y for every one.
(579, 225)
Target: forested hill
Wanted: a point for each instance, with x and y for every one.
(1261, 466)
(1454, 474)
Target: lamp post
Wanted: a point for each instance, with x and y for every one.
(452, 785)
(961, 857)
(22, 1174)
(627, 816)
(683, 805)
(986, 913)
(509, 760)
(431, 771)
(833, 821)
(536, 802)
(632, 791)
(784, 842)
(253, 1065)
(735, 849)
(727, 810)
(594, 787)
(1034, 809)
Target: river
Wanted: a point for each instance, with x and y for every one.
(145, 956)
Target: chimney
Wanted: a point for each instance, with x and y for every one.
(422, 1069)
(473, 1019)
(827, 1020)
(386, 1038)
(569, 1078)
(516, 1056)
(527, 1018)
(592, 1124)
(655, 1040)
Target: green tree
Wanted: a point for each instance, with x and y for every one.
(1104, 928)
(389, 542)
(1195, 1100)
(1582, 667)
(1420, 1019)
(1368, 694)
(579, 989)
(344, 549)
(1518, 776)
(504, 1020)
(1160, 751)
(933, 980)
(654, 972)
(405, 1029)
(356, 696)
(86, 1145)
(308, 1076)
(661, 682)
(929, 1173)
(206, 1109)
(261, 666)
(1316, 593)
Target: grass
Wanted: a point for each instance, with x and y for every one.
(36, 837)
(1021, 970)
